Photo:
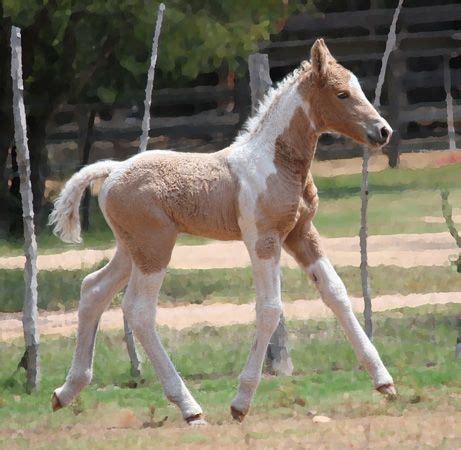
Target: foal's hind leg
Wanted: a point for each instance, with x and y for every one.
(97, 291)
(139, 306)
(304, 244)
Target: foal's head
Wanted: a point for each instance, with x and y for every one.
(337, 102)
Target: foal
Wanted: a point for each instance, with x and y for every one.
(259, 190)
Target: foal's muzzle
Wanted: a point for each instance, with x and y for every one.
(379, 135)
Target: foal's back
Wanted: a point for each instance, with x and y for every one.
(157, 194)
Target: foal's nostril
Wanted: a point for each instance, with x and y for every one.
(384, 133)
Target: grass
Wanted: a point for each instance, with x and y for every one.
(416, 344)
(399, 200)
(60, 289)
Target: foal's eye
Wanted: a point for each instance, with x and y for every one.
(343, 94)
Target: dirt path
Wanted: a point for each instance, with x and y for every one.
(217, 314)
(378, 162)
(404, 250)
(122, 428)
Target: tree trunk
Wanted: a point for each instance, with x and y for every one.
(86, 130)
(278, 359)
(30, 314)
(7, 203)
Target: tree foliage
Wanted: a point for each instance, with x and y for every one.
(98, 50)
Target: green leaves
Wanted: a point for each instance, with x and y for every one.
(91, 50)
(106, 95)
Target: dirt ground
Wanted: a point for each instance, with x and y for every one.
(404, 250)
(216, 314)
(122, 429)
(379, 161)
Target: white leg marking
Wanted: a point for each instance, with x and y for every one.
(97, 291)
(334, 294)
(268, 309)
(139, 306)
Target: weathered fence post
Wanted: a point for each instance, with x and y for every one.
(278, 359)
(30, 315)
(129, 339)
(135, 359)
(447, 215)
(150, 80)
(449, 99)
(390, 44)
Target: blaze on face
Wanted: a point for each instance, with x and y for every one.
(338, 103)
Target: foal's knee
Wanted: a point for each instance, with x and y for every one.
(268, 317)
(139, 313)
(329, 284)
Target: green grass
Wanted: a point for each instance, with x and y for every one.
(416, 344)
(59, 289)
(399, 199)
(388, 213)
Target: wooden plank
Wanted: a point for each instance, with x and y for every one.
(372, 18)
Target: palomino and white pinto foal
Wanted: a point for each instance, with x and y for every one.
(259, 190)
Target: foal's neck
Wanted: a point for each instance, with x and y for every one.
(284, 130)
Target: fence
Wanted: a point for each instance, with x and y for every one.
(207, 116)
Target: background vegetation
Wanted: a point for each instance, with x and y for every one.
(416, 344)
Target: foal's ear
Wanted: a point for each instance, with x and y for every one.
(320, 55)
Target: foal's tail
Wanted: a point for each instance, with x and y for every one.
(65, 216)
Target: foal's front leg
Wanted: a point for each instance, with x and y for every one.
(266, 273)
(304, 244)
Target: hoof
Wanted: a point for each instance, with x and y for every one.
(55, 403)
(196, 421)
(237, 415)
(388, 390)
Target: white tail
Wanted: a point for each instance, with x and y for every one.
(65, 216)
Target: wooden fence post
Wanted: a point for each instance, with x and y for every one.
(30, 314)
(150, 80)
(450, 121)
(390, 44)
(278, 359)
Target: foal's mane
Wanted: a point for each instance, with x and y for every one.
(270, 100)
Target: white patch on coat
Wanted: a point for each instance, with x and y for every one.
(355, 87)
(268, 310)
(252, 155)
(334, 294)
(139, 307)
